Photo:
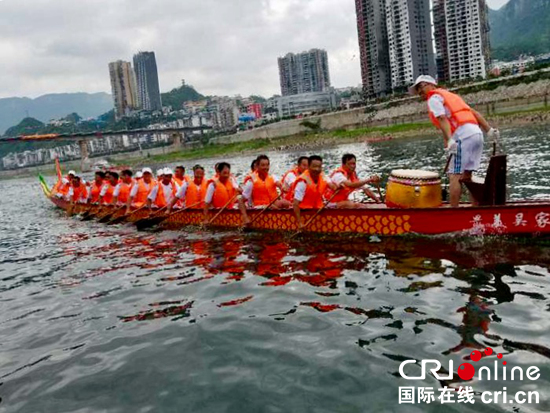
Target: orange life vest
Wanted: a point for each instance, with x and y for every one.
(94, 192)
(80, 192)
(344, 193)
(124, 192)
(160, 201)
(289, 196)
(263, 192)
(461, 113)
(143, 192)
(196, 193)
(314, 191)
(186, 178)
(108, 197)
(223, 193)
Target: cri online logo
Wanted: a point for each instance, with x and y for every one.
(466, 371)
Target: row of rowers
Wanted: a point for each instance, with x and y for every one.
(304, 185)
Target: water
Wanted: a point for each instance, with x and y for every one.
(105, 319)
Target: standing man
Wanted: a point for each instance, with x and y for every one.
(346, 176)
(310, 188)
(461, 127)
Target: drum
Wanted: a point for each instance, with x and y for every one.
(413, 189)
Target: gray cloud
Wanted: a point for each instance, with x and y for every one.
(219, 46)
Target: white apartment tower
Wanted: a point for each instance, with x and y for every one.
(462, 39)
(124, 88)
(410, 45)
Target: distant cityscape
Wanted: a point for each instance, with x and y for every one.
(398, 41)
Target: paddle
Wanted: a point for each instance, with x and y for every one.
(377, 184)
(90, 215)
(125, 216)
(150, 222)
(261, 212)
(316, 214)
(220, 212)
(144, 222)
(444, 191)
(107, 218)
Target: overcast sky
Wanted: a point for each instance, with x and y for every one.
(222, 47)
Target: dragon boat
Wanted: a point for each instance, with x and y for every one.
(414, 205)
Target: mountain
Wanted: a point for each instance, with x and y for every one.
(520, 27)
(52, 106)
(178, 96)
(28, 126)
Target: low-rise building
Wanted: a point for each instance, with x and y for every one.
(306, 103)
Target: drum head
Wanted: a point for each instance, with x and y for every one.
(416, 174)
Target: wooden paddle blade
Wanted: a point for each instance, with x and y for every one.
(149, 222)
(106, 218)
(117, 220)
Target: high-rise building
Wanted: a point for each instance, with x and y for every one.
(124, 89)
(462, 39)
(373, 47)
(145, 66)
(410, 45)
(304, 72)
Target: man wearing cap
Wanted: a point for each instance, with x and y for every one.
(62, 188)
(164, 192)
(462, 131)
(140, 191)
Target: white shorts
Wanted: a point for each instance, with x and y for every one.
(468, 155)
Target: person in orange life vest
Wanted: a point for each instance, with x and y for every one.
(122, 190)
(108, 188)
(179, 175)
(192, 192)
(223, 191)
(95, 189)
(140, 191)
(253, 170)
(62, 187)
(164, 192)
(261, 189)
(78, 193)
(347, 177)
(462, 131)
(310, 187)
(139, 175)
(290, 177)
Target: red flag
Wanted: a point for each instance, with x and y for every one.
(58, 170)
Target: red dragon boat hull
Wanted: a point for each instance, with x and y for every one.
(516, 218)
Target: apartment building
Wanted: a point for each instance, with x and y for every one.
(461, 29)
(304, 72)
(148, 89)
(124, 88)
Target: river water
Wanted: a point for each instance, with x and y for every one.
(97, 318)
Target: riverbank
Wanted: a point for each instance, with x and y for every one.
(320, 139)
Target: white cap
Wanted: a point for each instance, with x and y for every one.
(422, 79)
(72, 173)
(160, 172)
(167, 171)
(147, 170)
(139, 174)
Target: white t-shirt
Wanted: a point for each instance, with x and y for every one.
(436, 105)
(167, 193)
(104, 189)
(182, 190)
(290, 179)
(116, 192)
(300, 191)
(212, 188)
(338, 178)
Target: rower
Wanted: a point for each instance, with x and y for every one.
(462, 131)
(78, 193)
(253, 170)
(140, 191)
(122, 190)
(62, 188)
(95, 189)
(139, 175)
(180, 176)
(222, 192)
(192, 193)
(346, 176)
(310, 188)
(164, 192)
(108, 188)
(261, 189)
(290, 177)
